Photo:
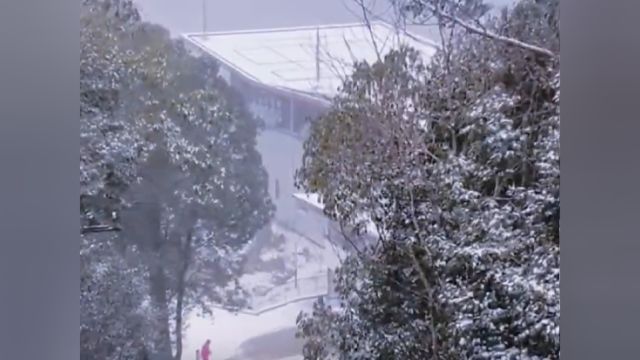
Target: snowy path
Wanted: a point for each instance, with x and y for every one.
(276, 345)
(228, 331)
(269, 335)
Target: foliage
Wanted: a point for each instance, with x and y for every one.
(113, 323)
(457, 164)
(168, 151)
(110, 143)
(113, 292)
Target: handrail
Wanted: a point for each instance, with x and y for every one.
(292, 290)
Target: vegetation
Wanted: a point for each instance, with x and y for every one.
(168, 155)
(456, 162)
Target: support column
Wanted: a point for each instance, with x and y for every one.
(291, 115)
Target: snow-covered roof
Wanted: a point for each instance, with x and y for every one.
(309, 60)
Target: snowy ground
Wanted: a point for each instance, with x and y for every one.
(311, 259)
(228, 331)
(280, 344)
(268, 336)
(271, 287)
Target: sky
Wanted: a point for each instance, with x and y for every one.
(181, 16)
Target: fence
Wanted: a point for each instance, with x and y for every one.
(292, 291)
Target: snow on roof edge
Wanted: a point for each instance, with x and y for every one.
(316, 97)
(280, 29)
(199, 40)
(413, 36)
(190, 36)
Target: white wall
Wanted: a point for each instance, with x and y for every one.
(281, 156)
(312, 223)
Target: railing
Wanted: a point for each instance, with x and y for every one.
(292, 228)
(292, 291)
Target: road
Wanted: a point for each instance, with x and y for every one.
(267, 336)
(277, 345)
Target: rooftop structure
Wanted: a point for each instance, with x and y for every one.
(287, 78)
(309, 60)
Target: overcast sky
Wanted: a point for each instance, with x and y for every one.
(181, 16)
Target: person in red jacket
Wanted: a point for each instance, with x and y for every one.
(205, 352)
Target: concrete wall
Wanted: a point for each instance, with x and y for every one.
(312, 224)
(281, 156)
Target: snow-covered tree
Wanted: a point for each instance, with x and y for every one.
(169, 154)
(114, 321)
(202, 192)
(457, 165)
(111, 143)
(113, 296)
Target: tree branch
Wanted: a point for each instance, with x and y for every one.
(488, 34)
(423, 276)
(429, 288)
(365, 14)
(99, 228)
(349, 240)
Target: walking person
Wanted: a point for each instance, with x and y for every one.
(205, 352)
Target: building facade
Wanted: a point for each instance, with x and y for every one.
(286, 77)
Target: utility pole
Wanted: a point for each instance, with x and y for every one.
(204, 16)
(296, 265)
(318, 56)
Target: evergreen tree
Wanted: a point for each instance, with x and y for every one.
(169, 156)
(457, 164)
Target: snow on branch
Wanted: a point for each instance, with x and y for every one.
(99, 228)
(488, 34)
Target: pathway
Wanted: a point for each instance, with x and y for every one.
(230, 334)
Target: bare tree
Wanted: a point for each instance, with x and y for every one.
(448, 18)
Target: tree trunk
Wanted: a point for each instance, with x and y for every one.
(147, 222)
(158, 288)
(142, 225)
(186, 260)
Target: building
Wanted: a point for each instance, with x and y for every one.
(288, 77)
(327, 229)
